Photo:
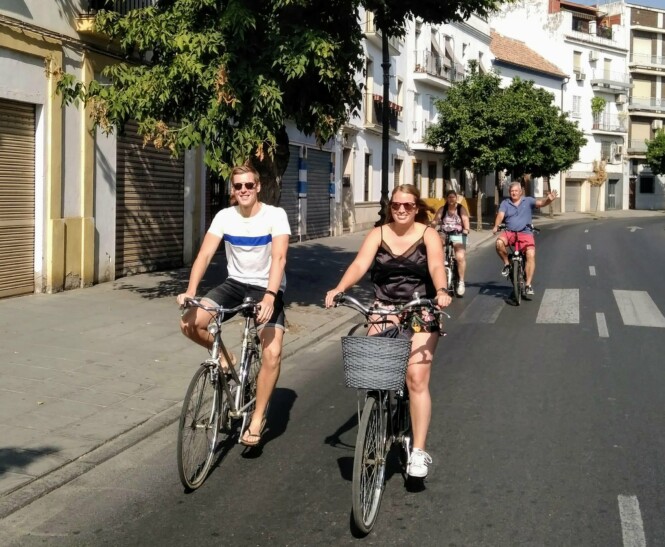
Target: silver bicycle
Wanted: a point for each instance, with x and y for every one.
(218, 405)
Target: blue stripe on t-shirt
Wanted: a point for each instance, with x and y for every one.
(246, 241)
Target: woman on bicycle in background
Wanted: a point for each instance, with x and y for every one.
(453, 219)
(405, 256)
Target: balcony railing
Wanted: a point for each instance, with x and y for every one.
(647, 59)
(374, 111)
(420, 131)
(637, 146)
(613, 123)
(123, 7)
(440, 67)
(599, 76)
(603, 37)
(647, 103)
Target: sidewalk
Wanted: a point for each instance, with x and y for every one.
(87, 373)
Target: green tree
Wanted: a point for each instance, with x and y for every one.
(656, 153)
(228, 74)
(483, 127)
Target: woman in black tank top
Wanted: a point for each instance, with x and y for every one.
(405, 256)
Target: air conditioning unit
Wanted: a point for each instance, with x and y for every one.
(621, 99)
(580, 76)
(618, 150)
(593, 56)
(657, 124)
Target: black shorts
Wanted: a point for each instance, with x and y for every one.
(231, 293)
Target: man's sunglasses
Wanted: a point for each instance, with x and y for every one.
(237, 186)
(409, 206)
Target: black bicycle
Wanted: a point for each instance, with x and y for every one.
(218, 401)
(452, 273)
(377, 365)
(517, 257)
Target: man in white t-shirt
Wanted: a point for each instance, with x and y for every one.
(256, 238)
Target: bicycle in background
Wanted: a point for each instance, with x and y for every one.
(218, 402)
(376, 365)
(452, 273)
(517, 257)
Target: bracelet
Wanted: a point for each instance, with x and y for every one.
(271, 293)
(442, 289)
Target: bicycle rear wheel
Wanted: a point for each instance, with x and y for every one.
(198, 428)
(517, 281)
(369, 464)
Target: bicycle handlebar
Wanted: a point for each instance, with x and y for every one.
(502, 226)
(249, 303)
(349, 301)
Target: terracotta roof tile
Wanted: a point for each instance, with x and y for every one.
(515, 52)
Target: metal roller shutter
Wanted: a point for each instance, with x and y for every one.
(573, 196)
(289, 198)
(17, 198)
(149, 212)
(318, 193)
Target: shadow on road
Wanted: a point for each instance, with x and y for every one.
(13, 459)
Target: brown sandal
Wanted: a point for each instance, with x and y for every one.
(253, 439)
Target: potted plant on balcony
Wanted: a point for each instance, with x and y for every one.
(597, 106)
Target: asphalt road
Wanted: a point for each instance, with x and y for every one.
(547, 428)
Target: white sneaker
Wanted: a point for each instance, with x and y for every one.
(460, 288)
(418, 463)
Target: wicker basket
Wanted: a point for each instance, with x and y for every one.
(372, 362)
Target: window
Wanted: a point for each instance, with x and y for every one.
(605, 150)
(400, 96)
(577, 100)
(431, 179)
(418, 175)
(577, 61)
(368, 177)
(646, 185)
(397, 173)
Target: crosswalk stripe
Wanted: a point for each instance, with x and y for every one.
(559, 306)
(638, 309)
(484, 308)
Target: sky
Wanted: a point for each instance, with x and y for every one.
(650, 3)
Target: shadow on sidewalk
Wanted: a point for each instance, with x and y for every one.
(14, 459)
(311, 270)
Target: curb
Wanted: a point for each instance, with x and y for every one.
(54, 479)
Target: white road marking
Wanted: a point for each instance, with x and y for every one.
(633, 228)
(588, 247)
(484, 308)
(638, 309)
(602, 326)
(586, 231)
(560, 306)
(592, 270)
(631, 522)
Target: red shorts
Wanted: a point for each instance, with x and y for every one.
(525, 240)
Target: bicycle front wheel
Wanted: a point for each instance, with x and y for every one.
(198, 428)
(369, 464)
(517, 281)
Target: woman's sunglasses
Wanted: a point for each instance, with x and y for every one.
(409, 206)
(237, 186)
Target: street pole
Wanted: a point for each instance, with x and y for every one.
(385, 121)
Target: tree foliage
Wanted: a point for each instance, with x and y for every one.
(483, 127)
(656, 153)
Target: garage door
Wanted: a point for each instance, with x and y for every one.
(289, 197)
(150, 201)
(318, 193)
(17, 198)
(573, 195)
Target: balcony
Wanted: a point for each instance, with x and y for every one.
(607, 80)
(374, 111)
(606, 123)
(373, 35)
(638, 146)
(85, 22)
(436, 70)
(650, 104)
(420, 132)
(645, 60)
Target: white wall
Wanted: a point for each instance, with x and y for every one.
(55, 15)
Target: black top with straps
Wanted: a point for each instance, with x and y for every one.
(397, 277)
